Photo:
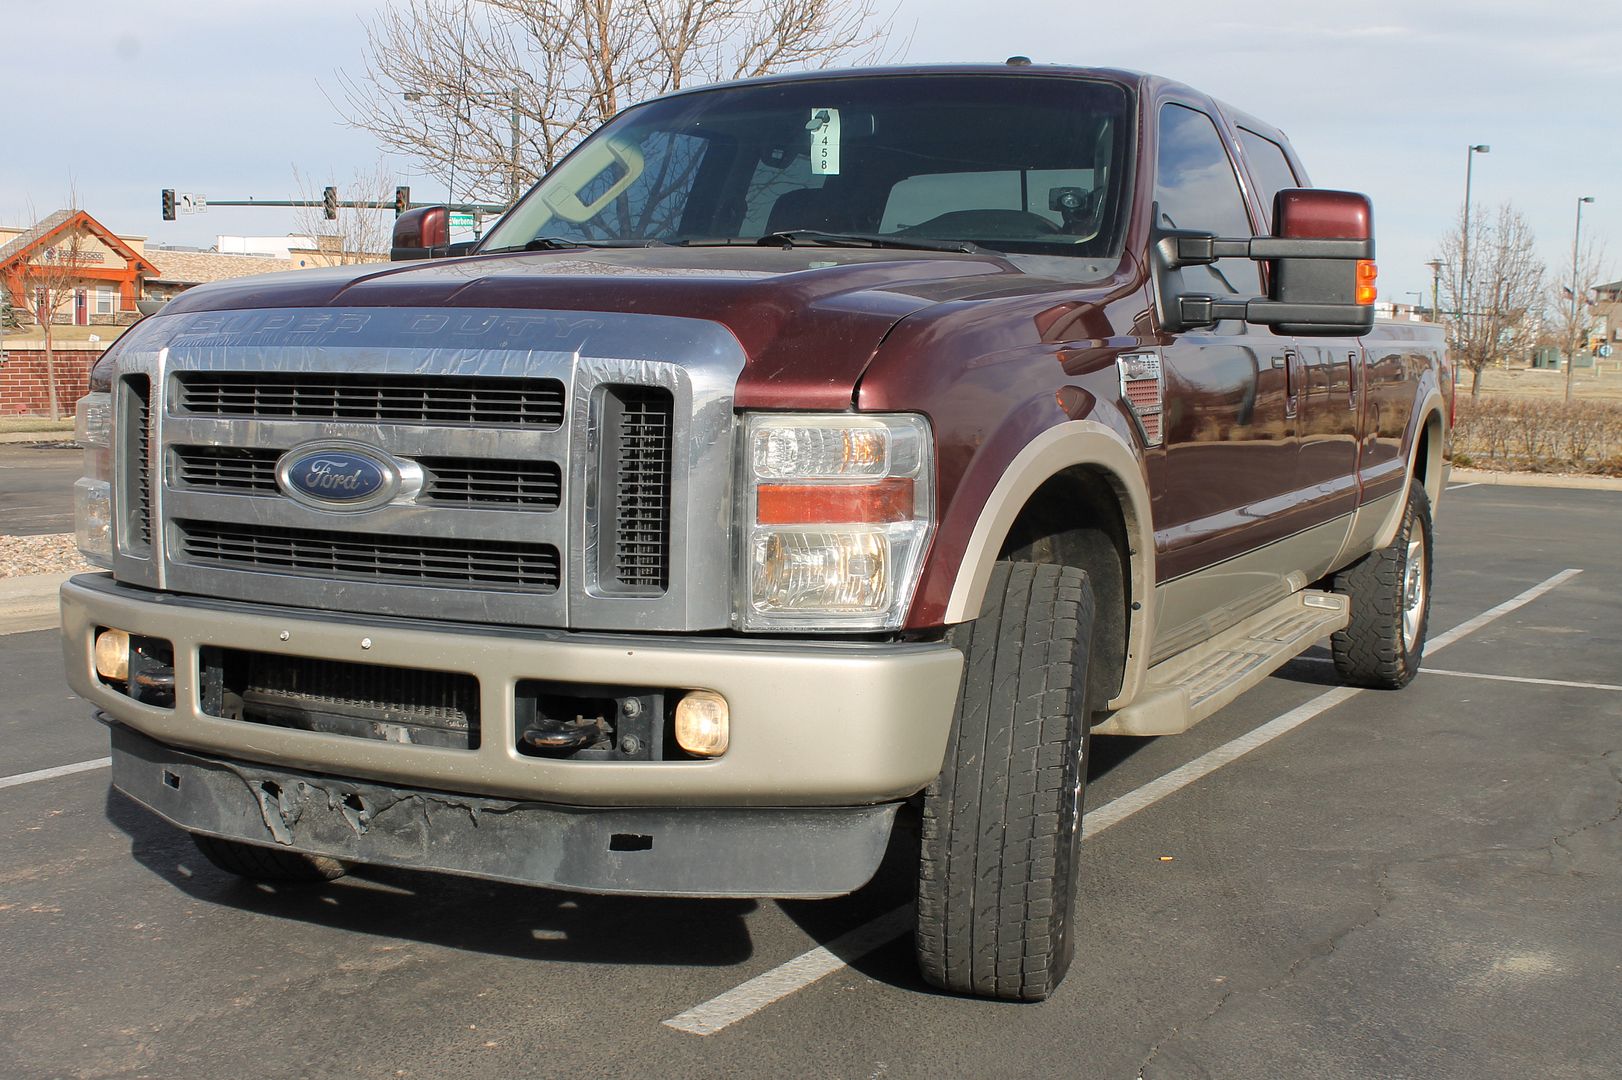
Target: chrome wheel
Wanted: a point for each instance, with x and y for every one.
(1414, 589)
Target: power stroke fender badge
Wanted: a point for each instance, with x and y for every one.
(338, 476)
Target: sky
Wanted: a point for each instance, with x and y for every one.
(227, 98)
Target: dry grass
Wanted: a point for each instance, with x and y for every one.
(1544, 384)
(11, 425)
(30, 337)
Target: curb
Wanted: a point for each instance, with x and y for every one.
(29, 602)
(1528, 479)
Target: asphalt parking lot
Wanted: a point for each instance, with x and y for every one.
(1315, 882)
(36, 488)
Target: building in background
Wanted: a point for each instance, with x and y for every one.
(108, 271)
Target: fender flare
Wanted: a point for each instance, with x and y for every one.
(1429, 408)
(1073, 443)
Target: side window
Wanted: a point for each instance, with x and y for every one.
(1269, 167)
(1196, 188)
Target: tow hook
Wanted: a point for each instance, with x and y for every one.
(551, 735)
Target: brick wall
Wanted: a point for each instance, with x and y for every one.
(23, 387)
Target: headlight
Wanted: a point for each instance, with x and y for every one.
(837, 513)
(92, 495)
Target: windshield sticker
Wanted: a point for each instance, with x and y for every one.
(824, 129)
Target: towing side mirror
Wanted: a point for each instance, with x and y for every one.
(418, 232)
(423, 233)
(1321, 256)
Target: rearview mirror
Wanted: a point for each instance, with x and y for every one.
(1321, 256)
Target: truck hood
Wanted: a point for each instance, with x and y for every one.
(809, 319)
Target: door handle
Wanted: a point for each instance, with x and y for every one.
(1351, 379)
(1292, 383)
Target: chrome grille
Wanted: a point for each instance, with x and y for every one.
(373, 398)
(512, 506)
(247, 470)
(414, 560)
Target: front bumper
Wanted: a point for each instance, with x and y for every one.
(813, 724)
(662, 851)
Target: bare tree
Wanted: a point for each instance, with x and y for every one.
(489, 94)
(49, 283)
(357, 235)
(1497, 313)
(1569, 312)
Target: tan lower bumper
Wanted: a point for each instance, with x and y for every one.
(813, 724)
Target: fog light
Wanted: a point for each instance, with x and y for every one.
(113, 655)
(701, 723)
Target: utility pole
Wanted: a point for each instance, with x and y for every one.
(517, 132)
(1436, 289)
(1576, 238)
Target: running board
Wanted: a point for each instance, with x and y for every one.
(1180, 692)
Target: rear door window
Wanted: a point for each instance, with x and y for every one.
(1269, 168)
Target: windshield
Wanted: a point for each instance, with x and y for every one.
(1016, 163)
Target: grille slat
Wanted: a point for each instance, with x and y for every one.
(382, 399)
(509, 566)
(640, 426)
(529, 485)
(137, 443)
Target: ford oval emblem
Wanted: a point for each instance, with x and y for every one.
(337, 476)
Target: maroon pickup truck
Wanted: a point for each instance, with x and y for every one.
(806, 465)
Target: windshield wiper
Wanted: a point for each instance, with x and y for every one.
(562, 243)
(790, 237)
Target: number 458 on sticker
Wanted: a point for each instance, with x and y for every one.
(824, 129)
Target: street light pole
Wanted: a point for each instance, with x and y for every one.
(1576, 238)
(1464, 254)
(1463, 257)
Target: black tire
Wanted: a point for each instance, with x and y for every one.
(267, 864)
(1383, 645)
(1001, 824)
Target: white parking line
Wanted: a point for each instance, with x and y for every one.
(1461, 487)
(748, 998)
(1522, 679)
(51, 774)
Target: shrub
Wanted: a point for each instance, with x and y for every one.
(1542, 436)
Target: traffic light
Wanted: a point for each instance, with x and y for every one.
(168, 204)
(329, 202)
(402, 200)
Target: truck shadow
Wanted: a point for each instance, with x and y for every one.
(527, 922)
(456, 912)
